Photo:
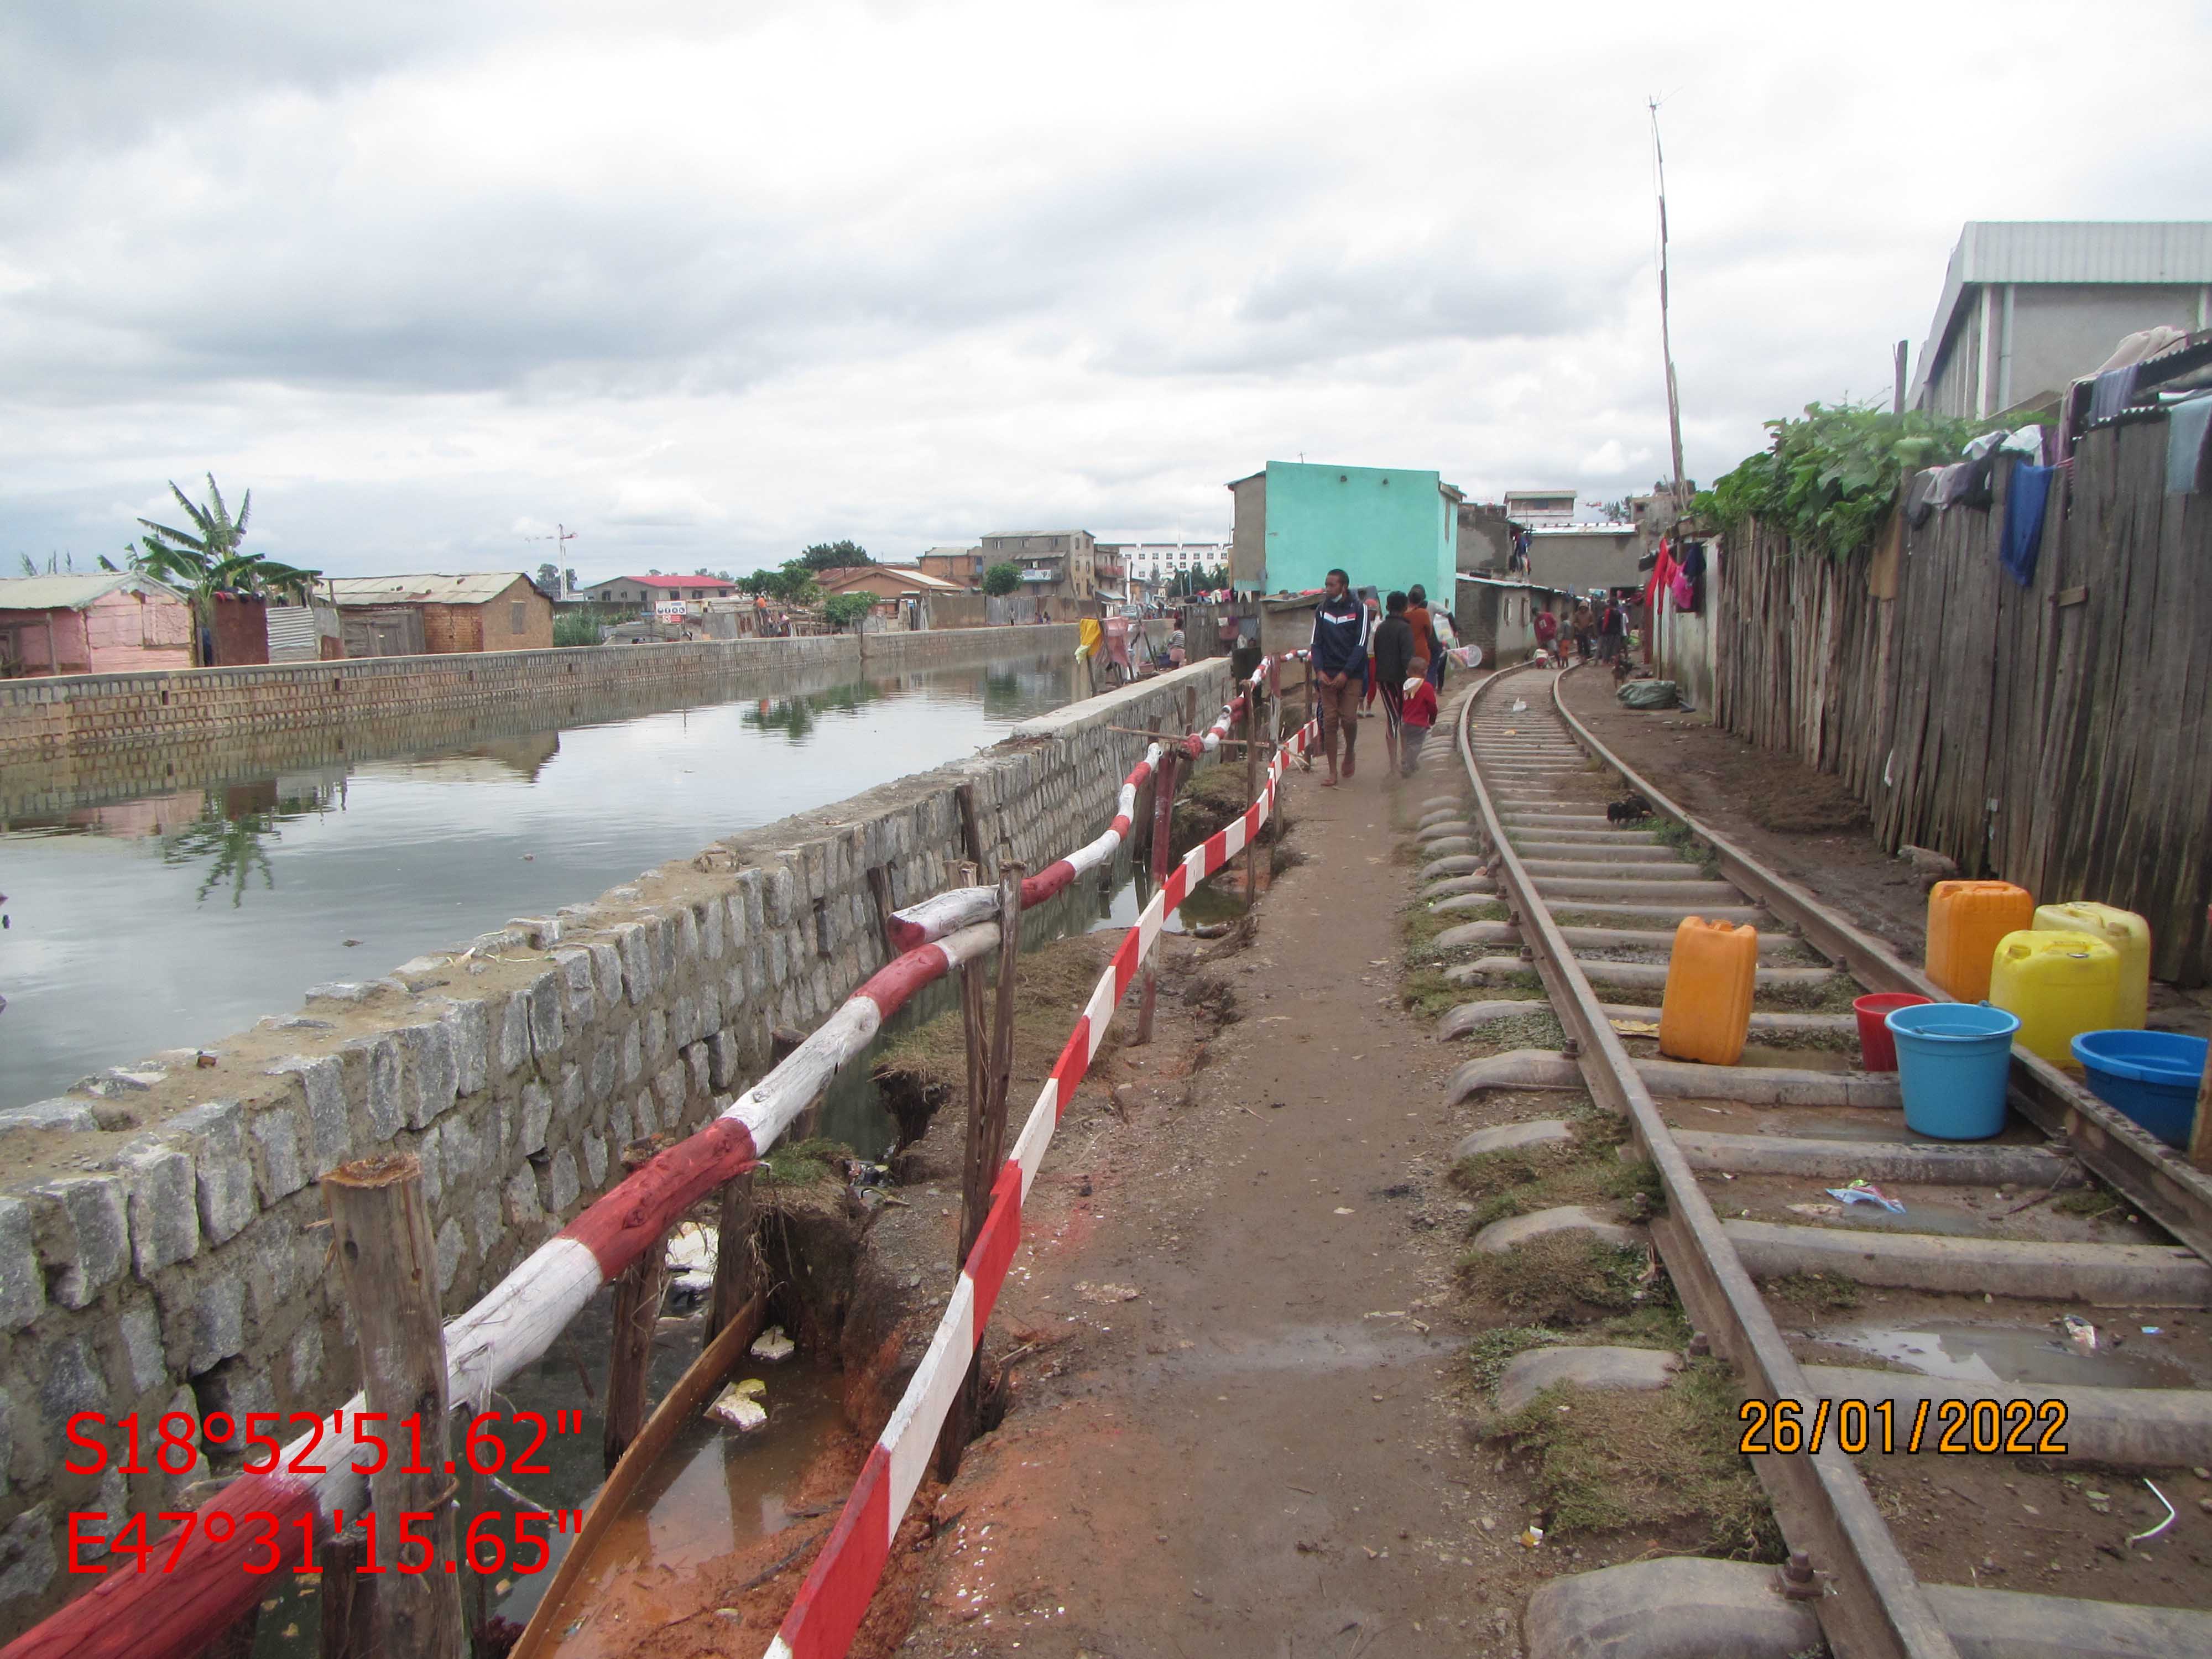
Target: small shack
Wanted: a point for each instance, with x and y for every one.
(437, 615)
(110, 622)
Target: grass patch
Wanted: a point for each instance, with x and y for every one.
(1814, 1292)
(1834, 996)
(1689, 844)
(1538, 1028)
(1560, 1279)
(2091, 1200)
(1584, 1169)
(1610, 1461)
(803, 1162)
(1653, 1325)
(1490, 1354)
(1051, 986)
(1420, 929)
(1428, 993)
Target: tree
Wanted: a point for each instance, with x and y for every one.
(548, 580)
(1001, 578)
(571, 575)
(835, 556)
(846, 610)
(211, 561)
(793, 584)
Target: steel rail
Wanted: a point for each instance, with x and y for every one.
(1872, 1605)
(2157, 1180)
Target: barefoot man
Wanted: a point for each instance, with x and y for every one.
(1340, 668)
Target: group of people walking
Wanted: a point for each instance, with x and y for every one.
(1601, 628)
(1358, 658)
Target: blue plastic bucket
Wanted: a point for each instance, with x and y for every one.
(1952, 1058)
(2150, 1076)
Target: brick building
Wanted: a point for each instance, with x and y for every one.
(483, 611)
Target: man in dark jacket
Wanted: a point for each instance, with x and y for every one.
(1394, 666)
(1339, 668)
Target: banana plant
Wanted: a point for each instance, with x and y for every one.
(208, 560)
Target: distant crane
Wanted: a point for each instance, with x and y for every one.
(561, 536)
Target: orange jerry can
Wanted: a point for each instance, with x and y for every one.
(1966, 921)
(1706, 1012)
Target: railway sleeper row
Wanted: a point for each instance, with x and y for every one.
(1757, 1144)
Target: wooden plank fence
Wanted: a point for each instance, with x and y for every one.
(2059, 735)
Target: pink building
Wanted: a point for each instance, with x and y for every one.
(110, 623)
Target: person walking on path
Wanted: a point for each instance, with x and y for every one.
(1340, 668)
(1420, 714)
(1584, 622)
(1547, 635)
(1616, 634)
(1393, 660)
(1428, 643)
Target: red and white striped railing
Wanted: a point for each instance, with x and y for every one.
(834, 1598)
(204, 1588)
(965, 907)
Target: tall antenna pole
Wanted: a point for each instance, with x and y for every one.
(1666, 339)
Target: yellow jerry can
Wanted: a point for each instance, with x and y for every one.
(1706, 1012)
(1966, 920)
(2059, 985)
(2126, 933)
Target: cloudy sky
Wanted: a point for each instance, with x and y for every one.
(704, 283)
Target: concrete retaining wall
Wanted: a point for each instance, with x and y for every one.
(47, 720)
(158, 1247)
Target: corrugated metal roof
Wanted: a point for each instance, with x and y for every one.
(472, 587)
(2063, 251)
(76, 592)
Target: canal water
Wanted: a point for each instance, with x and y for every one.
(167, 915)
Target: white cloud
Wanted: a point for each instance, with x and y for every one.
(705, 286)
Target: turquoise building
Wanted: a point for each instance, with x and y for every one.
(1387, 527)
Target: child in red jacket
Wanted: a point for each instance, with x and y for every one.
(1414, 720)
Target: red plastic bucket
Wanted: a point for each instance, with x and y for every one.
(1877, 1048)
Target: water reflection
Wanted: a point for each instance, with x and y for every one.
(341, 852)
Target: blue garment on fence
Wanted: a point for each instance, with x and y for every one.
(2027, 494)
(2186, 426)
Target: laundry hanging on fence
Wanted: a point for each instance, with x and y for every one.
(2026, 442)
(1693, 567)
(1976, 490)
(2188, 426)
(1950, 482)
(2112, 391)
(2027, 494)
(1920, 495)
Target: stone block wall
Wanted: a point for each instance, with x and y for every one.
(159, 1245)
(45, 720)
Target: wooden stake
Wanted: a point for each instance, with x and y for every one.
(637, 1310)
(1160, 840)
(971, 826)
(733, 1255)
(990, 1066)
(381, 1236)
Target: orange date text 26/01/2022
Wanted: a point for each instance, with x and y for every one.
(1955, 1427)
(484, 1547)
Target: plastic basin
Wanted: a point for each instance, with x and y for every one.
(1952, 1059)
(2150, 1076)
(1876, 1052)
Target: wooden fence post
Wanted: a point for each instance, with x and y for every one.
(637, 1310)
(380, 1234)
(733, 1255)
(1159, 849)
(990, 1066)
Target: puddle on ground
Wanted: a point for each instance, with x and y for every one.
(715, 1491)
(2034, 1354)
(701, 1497)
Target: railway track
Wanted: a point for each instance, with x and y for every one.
(1958, 1358)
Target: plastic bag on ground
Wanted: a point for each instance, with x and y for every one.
(1649, 694)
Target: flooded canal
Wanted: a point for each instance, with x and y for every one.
(210, 893)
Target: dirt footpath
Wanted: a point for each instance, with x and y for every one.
(1254, 1443)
